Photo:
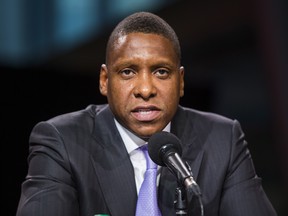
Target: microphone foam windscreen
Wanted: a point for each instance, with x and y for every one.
(161, 142)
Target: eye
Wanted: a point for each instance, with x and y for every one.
(127, 73)
(162, 73)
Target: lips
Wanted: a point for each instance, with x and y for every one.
(146, 113)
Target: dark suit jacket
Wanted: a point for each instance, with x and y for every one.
(78, 165)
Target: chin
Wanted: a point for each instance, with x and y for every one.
(146, 134)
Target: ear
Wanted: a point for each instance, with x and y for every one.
(103, 80)
(181, 73)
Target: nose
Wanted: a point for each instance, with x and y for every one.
(145, 87)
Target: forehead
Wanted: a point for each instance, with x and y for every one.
(141, 44)
(139, 37)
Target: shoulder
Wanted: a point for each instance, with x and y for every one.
(80, 115)
(79, 120)
(204, 117)
(190, 123)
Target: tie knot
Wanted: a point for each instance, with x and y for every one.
(149, 162)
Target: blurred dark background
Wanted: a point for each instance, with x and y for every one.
(234, 52)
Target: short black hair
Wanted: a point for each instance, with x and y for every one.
(144, 22)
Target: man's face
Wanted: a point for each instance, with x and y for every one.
(143, 82)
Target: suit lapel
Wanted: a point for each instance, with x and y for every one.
(113, 167)
(191, 137)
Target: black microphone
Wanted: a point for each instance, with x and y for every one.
(165, 149)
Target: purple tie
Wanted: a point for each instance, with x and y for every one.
(147, 199)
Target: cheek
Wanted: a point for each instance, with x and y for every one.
(171, 96)
(118, 92)
(172, 90)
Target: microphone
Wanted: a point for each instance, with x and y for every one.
(165, 149)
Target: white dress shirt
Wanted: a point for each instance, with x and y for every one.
(137, 157)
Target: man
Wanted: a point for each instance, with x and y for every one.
(89, 163)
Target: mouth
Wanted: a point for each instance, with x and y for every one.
(146, 113)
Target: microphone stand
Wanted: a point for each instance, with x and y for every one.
(184, 194)
(180, 203)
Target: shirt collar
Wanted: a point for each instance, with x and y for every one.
(132, 141)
